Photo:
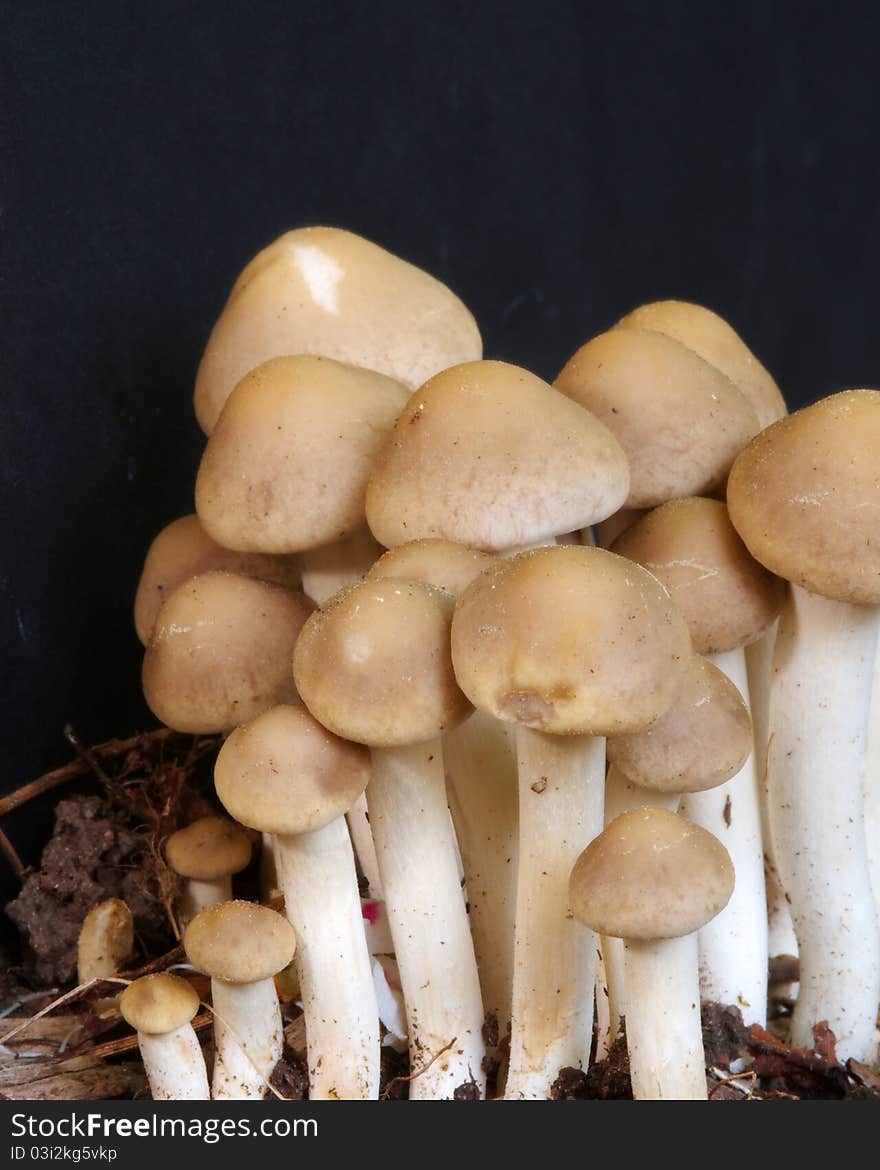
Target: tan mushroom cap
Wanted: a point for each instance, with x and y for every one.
(321, 290)
(287, 464)
(470, 461)
(106, 939)
(239, 942)
(680, 420)
(183, 550)
(284, 773)
(570, 640)
(209, 848)
(156, 1004)
(220, 652)
(374, 664)
(651, 874)
(805, 497)
(716, 342)
(442, 563)
(702, 740)
(728, 599)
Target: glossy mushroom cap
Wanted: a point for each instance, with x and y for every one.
(374, 665)
(284, 773)
(651, 874)
(680, 421)
(239, 942)
(183, 550)
(287, 464)
(805, 497)
(321, 290)
(710, 336)
(469, 460)
(156, 1004)
(439, 562)
(702, 740)
(220, 652)
(209, 848)
(570, 640)
(727, 598)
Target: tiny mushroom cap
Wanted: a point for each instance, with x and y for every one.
(680, 420)
(805, 497)
(183, 550)
(570, 640)
(651, 874)
(287, 464)
(284, 773)
(439, 562)
(468, 461)
(320, 290)
(728, 599)
(220, 652)
(106, 939)
(209, 848)
(702, 740)
(374, 664)
(716, 342)
(239, 942)
(156, 1004)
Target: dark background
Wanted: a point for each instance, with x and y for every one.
(554, 163)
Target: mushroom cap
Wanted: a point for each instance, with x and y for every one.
(702, 740)
(320, 290)
(287, 464)
(220, 652)
(156, 1004)
(680, 420)
(727, 598)
(209, 848)
(651, 874)
(284, 773)
(239, 942)
(183, 550)
(106, 939)
(442, 563)
(804, 496)
(570, 640)
(710, 336)
(468, 461)
(374, 664)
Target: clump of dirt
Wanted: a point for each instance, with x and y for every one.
(291, 1076)
(469, 1091)
(393, 1075)
(725, 1036)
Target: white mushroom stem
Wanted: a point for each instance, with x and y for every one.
(733, 946)
(198, 894)
(819, 705)
(174, 1065)
(328, 569)
(362, 839)
(317, 875)
(561, 800)
(417, 856)
(872, 787)
(482, 791)
(621, 795)
(663, 1031)
(248, 1038)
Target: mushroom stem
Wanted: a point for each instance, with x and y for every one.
(872, 787)
(819, 705)
(561, 798)
(362, 839)
(733, 946)
(174, 1065)
(248, 1038)
(321, 899)
(198, 894)
(426, 912)
(663, 1031)
(330, 568)
(482, 790)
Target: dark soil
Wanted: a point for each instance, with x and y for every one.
(291, 1076)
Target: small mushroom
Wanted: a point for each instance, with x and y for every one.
(160, 1008)
(106, 940)
(206, 854)
(242, 947)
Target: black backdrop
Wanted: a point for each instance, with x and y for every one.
(555, 163)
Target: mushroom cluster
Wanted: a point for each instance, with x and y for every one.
(501, 654)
